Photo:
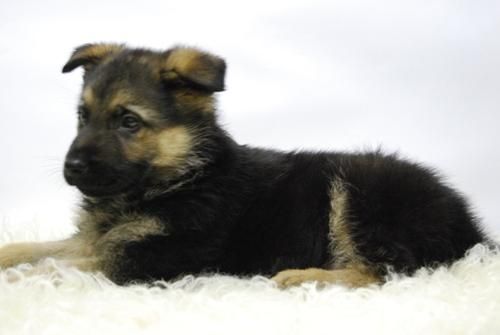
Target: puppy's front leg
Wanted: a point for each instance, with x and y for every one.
(32, 252)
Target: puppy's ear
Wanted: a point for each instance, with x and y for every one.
(89, 55)
(192, 67)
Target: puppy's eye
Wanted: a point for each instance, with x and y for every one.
(130, 123)
(83, 115)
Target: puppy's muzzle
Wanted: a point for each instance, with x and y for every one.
(75, 167)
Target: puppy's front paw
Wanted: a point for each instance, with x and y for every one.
(14, 254)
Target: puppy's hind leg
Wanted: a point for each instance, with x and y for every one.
(346, 267)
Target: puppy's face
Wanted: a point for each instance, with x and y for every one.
(140, 117)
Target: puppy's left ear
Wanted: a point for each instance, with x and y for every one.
(90, 55)
(194, 68)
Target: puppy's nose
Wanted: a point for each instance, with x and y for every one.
(76, 166)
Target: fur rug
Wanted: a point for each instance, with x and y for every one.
(461, 299)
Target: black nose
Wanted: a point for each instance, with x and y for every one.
(75, 166)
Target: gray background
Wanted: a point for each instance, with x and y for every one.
(418, 77)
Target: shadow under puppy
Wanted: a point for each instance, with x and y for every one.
(167, 192)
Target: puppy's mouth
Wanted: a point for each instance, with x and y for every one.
(101, 187)
(108, 188)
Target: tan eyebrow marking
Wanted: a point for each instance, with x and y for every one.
(121, 98)
(143, 112)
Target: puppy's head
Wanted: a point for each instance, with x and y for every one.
(142, 115)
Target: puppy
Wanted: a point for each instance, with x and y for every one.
(167, 192)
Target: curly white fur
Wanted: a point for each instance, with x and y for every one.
(462, 299)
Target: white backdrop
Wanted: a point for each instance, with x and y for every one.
(419, 77)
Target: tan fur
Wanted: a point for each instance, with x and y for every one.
(96, 53)
(88, 97)
(145, 113)
(192, 64)
(173, 145)
(118, 227)
(194, 101)
(67, 250)
(17, 253)
(186, 61)
(100, 50)
(120, 97)
(351, 277)
(107, 246)
(343, 249)
(166, 149)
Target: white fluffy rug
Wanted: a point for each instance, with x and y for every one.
(463, 299)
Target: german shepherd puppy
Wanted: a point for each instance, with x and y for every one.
(167, 192)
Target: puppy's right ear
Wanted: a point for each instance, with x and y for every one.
(90, 55)
(194, 68)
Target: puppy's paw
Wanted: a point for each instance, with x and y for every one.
(295, 277)
(347, 277)
(14, 254)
